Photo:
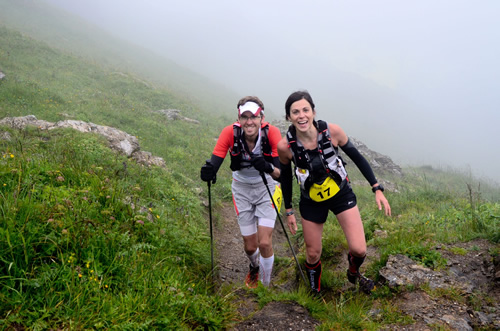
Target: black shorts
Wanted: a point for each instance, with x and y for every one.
(317, 212)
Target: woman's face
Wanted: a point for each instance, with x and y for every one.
(302, 115)
(250, 124)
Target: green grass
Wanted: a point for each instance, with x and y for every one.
(91, 240)
(89, 243)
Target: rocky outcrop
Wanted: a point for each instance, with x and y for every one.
(466, 274)
(174, 114)
(118, 140)
(379, 162)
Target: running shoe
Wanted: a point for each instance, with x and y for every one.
(252, 279)
(365, 284)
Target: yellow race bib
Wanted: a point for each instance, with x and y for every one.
(277, 197)
(324, 191)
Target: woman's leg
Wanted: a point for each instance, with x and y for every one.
(350, 221)
(351, 224)
(312, 237)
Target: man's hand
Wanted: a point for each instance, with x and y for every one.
(262, 165)
(207, 172)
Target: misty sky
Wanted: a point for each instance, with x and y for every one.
(418, 81)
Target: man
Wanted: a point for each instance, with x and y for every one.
(252, 144)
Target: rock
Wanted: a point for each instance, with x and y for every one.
(5, 136)
(118, 140)
(380, 234)
(400, 270)
(456, 323)
(174, 114)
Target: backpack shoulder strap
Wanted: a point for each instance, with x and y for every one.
(236, 150)
(325, 142)
(264, 140)
(295, 146)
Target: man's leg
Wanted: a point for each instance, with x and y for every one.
(265, 235)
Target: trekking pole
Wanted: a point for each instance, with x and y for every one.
(211, 233)
(284, 230)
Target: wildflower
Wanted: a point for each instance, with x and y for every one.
(12, 156)
(91, 271)
(150, 209)
(140, 222)
(157, 216)
(4, 184)
(87, 265)
(64, 231)
(60, 178)
(80, 275)
(173, 199)
(106, 286)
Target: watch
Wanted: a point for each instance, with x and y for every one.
(289, 213)
(376, 188)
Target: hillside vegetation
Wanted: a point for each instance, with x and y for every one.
(91, 240)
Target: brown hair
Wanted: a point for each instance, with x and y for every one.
(296, 96)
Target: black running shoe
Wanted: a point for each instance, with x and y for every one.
(365, 284)
(252, 279)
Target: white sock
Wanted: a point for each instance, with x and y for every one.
(254, 258)
(266, 268)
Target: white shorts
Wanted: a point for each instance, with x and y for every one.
(253, 206)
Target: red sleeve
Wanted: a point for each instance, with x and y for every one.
(225, 142)
(274, 137)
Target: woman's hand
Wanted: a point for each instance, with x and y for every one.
(292, 224)
(380, 199)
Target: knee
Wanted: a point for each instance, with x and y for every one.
(265, 245)
(250, 246)
(361, 252)
(313, 254)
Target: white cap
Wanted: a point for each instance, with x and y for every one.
(251, 107)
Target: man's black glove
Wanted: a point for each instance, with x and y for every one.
(207, 172)
(262, 165)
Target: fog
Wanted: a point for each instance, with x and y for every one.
(418, 81)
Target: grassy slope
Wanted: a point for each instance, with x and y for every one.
(78, 247)
(69, 33)
(76, 227)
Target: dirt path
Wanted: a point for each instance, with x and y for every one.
(233, 266)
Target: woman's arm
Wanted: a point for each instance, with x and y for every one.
(340, 138)
(285, 156)
(362, 164)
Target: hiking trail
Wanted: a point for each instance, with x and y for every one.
(475, 269)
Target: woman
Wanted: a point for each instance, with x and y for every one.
(252, 143)
(324, 185)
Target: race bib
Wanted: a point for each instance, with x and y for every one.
(324, 191)
(277, 197)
